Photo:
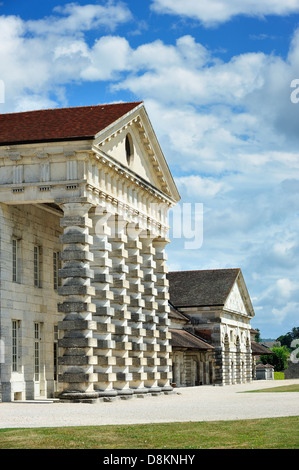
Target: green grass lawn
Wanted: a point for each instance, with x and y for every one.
(282, 388)
(272, 433)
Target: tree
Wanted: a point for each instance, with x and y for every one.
(257, 337)
(285, 340)
(279, 358)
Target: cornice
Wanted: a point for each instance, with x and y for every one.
(120, 170)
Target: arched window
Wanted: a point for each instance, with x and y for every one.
(129, 149)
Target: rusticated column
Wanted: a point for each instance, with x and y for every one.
(248, 362)
(76, 329)
(102, 283)
(161, 285)
(149, 310)
(120, 303)
(136, 292)
(226, 362)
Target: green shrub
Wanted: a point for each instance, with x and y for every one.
(278, 375)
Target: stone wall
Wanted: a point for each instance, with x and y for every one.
(25, 303)
(192, 368)
(292, 372)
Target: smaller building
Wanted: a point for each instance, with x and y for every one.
(192, 357)
(216, 309)
(258, 349)
(264, 372)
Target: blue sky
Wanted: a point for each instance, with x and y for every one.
(215, 78)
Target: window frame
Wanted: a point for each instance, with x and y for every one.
(37, 266)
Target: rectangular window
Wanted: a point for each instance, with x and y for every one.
(55, 352)
(56, 267)
(15, 260)
(15, 345)
(36, 351)
(37, 266)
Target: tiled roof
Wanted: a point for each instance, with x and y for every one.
(264, 366)
(201, 288)
(258, 349)
(176, 315)
(184, 339)
(50, 125)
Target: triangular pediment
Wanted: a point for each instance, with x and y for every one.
(238, 299)
(132, 143)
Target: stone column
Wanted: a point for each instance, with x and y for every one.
(120, 285)
(103, 316)
(162, 297)
(136, 292)
(149, 310)
(76, 329)
(239, 377)
(248, 362)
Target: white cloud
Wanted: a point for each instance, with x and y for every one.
(73, 18)
(108, 56)
(285, 287)
(197, 187)
(38, 58)
(213, 12)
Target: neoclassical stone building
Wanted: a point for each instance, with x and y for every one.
(215, 307)
(84, 196)
(84, 296)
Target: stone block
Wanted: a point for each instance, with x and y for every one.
(75, 237)
(79, 255)
(75, 220)
(106, 377)
(76, 360)
(77, 342)
(103, 278)
(105, 344)
(104, 310)
(77, 325)
(76, 272)
(67, 307)
(139, 346)
(76, 290)
(79, 377)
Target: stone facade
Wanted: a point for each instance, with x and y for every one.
(192, 358)
(24, 305)
(219, 310)
(84, 294)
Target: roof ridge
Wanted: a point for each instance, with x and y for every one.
(72, 107)
(204, 270)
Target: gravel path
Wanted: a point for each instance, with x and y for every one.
(204, 403)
